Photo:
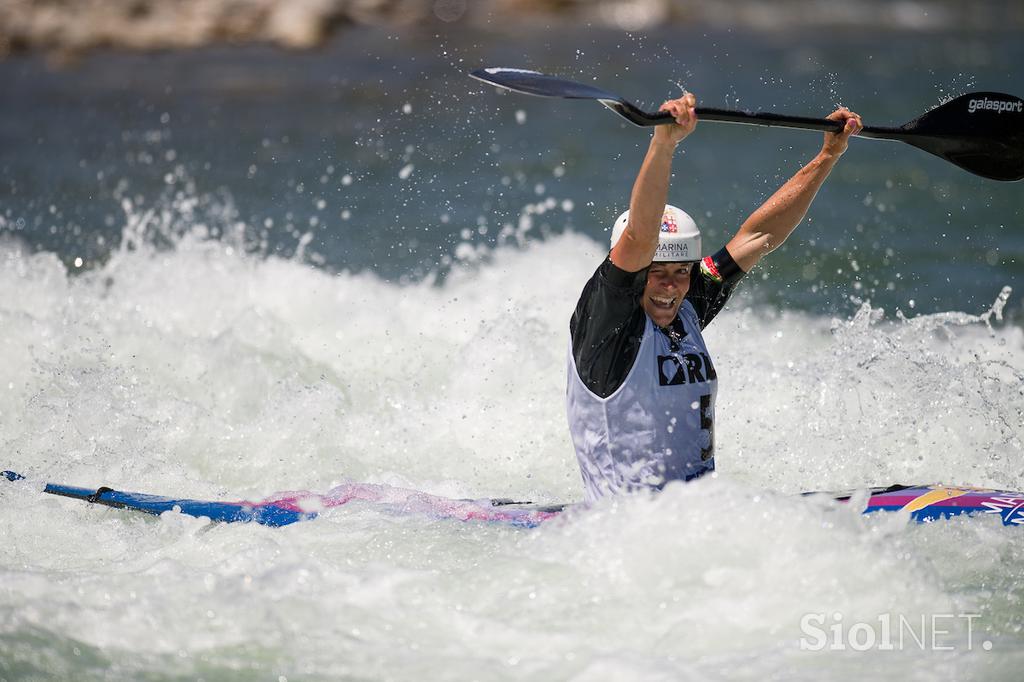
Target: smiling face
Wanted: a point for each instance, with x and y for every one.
(667, 284)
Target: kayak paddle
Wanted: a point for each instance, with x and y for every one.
(981, 132)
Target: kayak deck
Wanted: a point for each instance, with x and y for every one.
(925, 503)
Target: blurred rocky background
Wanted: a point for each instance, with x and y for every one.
(64, 29)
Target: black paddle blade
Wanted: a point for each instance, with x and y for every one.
(543, 85)
(981, 132)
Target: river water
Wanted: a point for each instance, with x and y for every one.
(232, 272)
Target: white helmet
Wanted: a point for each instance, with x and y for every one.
(679, 239)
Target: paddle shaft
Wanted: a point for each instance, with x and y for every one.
(783, 121)
(643, 118)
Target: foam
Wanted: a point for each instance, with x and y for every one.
(203, 369)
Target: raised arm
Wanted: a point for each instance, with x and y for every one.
(636, 248)
(768, 226)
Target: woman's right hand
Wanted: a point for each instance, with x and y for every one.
(685, 114)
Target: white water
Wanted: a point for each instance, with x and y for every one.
(203, 372)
